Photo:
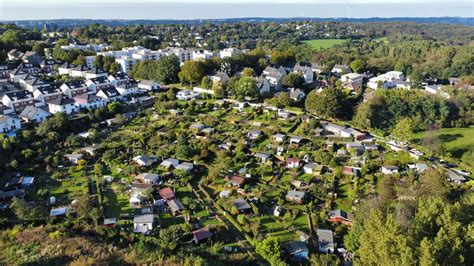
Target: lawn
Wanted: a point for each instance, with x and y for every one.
(459, 142)
(323, 43)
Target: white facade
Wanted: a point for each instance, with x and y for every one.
(148, 85)
(228, 52)
(8, 123)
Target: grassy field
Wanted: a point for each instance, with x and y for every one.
(323, 43)
(459, 142)
(381, 39)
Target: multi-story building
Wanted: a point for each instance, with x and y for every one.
(19, 100)
(73, 88)
(8, 123)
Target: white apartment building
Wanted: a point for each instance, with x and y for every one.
(228, 52)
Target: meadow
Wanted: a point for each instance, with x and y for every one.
(323, 43)
(459, 142)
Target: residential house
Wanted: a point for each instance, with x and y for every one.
(221, 77)
(14, 54)
(97, 83)
(66, 69)
(33, 114)
(110, 222)
(95, 72)
(128, 88)
(296, 140)
(144, 160)
(89, 101)
(186, 95)
(296, 95)
(262, 85)
(5, 71)
(74, 158)
(264, 158)
(293, 163)
(235, 181)
(201, 235)
(143, 223)
(296, 196)
(455, 177)
(274, 76)
(389, 169)
(202, 54)
(148, 178)
(283, 114)
(338, 70)
(166, 193)
(297, 251)
(243, 207)
(31, 82)
(119, 78)
(254, 134)
(48, 65)
(169, 163)
(109, 93)
(352, 81)
(371, 146)
(387, 80)
(19, 100)
(148, 85)
(8, 123)
(79, 71)
(355, 146)
(32, 58)
(306, 70)
(325, 241)
(73, 88)
(175, 206)
(340, 216)
(437, 90)
(278, 211)
(185, 166)
(62, 105)
(279, 138)
(313, 169)
(228, 52)
(57, 212)
(44, 94)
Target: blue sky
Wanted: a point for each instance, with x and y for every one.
(196, 9)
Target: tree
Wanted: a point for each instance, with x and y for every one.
(294, 80)
(192, 72)
(99, 169)
(403, 129)
(115, 67)
(269, 249)
(99, 61)
(281, 100)
(219, 90)
(327, 104)
(206, 83)
(358, 66)
(246, 87)
(168, 69)
(382, 240)
(248, 72)
(80, 60)
(433, 144)
(39, 47)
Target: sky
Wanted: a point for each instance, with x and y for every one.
(214, 9)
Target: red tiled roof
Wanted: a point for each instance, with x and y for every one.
(166, 193)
